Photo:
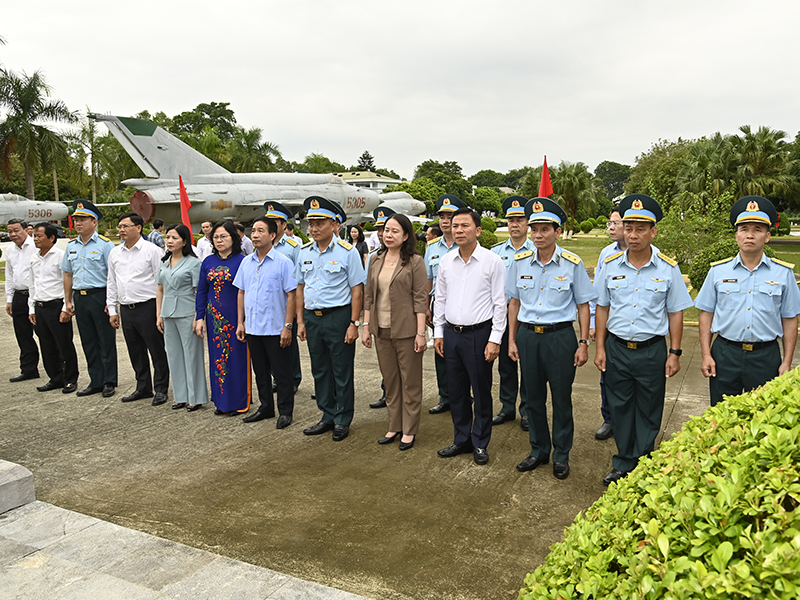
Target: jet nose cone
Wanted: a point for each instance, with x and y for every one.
(60, 211)
(417, 207)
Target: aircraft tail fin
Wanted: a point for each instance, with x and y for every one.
(157, 153)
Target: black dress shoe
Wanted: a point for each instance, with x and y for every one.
(49, 386)
(389, 439)
(159, 399)
(89, 391)
(193, 407)
(501, 418)
(283, 422)
(523, 422)
(381, 403)
(454, 450)
(69, 388)
(530, 463)
(137, 396)
(319, 428)
(179, 406)
(313, 396)
(605, 432)
(257, 416)
(407, 445)
(615, 475)
(24, 377)
(109, 390)
(481, 456)
(439, 408)
(340, 432)
(274, 387)
(561, 470)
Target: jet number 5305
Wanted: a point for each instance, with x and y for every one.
(356, 203)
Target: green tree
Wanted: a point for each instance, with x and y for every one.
(208, 143)
(488, 199)
(488, 178)
(430, 167)
(387, 173)
(764, 167)
(529, 184)
(656, 171)
(423, 189)
(248, 153)
(515, 177)
(574, 185)
(215, 115)
(25, 99)
(317, 163)
(613, 175)
(366, 162)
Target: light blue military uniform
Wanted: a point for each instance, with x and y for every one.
(289, 248)
(328, 275)
(88, 262)
(434, 252)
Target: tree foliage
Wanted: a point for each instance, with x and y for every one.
(430, 167)
(215, 115)
(613, 175)
(366, 162)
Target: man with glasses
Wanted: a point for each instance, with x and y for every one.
(617, 245)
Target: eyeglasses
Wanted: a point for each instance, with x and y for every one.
(121, 227)
(611, 224)
(218, 238)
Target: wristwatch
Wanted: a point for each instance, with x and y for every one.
(677, 352)
(356, 323)
(288, 326)
(583, 342)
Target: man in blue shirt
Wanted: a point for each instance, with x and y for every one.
(329, 277)
(749, 301)
(641, 298)
(266, 308)
(548, 286)
(85, 267)
(514, 211)
(157, 235)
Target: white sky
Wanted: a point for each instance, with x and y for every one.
(491, 85)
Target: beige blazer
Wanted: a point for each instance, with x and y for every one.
(407, 293)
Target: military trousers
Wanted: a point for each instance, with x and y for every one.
(740, 370)
(98, 337)
(511, 382)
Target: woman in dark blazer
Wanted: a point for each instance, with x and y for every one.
(395, 301)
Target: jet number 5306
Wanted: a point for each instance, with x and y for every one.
(356, 203)
(40, 213)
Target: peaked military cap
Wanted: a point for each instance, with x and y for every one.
(84, 208)
(448, 203)
(380, 215)
(754, 209)
(317, 207)
(640, 207)
(544, 210)
(514, 206)
(276, 210)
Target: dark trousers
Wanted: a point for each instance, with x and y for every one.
(332, 364)
(98, 338)
(510, 384)
(267, 356)
(636, 385)
(549, 358)
(142, 336)
(464, 354)
(740, 370)
(294, 351)
(23, 330)
(441, 374)
(55, 338)
(604, 410)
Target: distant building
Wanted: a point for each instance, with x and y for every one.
(367, 179)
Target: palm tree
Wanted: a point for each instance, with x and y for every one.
(25, 100)
(249, 154)
(764, 167)
(573, 185)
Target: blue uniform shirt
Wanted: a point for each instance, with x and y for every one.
(748, 305)
(434, 252)
(548, 293)
(505, 250)
(328, 275)
(87, 262)
(289, 248)
(640, 300)
(266, 285)
(612, 248)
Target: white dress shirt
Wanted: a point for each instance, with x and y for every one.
(468, 293)
(204, 248)
(47, 278)
(132, 274)
(18, 267)
(247, 246)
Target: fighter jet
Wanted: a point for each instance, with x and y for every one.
(13, 206)
(216, 193)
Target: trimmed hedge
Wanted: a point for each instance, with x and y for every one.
(711, 514)
(701, 265)
(586, 226)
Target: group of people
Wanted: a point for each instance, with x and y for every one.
(516, 303)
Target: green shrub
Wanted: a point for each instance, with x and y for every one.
(784, 224)
(586, 226)
(601, 220)
(571, 225)
(593, 222)
(488, 224)
(711, 514)
(369, 226)
(487, 239)
(723, 249)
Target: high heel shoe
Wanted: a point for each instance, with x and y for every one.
(388, 440)
(407, 445)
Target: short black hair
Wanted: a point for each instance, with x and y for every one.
(135, 219)
(239, 226)
(49, 229)
(158, 223)
(476, 218)
(272, 226)
(16, 221)
(289, 225)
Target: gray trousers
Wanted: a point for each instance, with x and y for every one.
(186, 361)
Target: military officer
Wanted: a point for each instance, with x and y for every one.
(514, 211)
(85, 267)
(329, 279)
(641, 298)
(749, 301)
(446, 205)
(547, 287)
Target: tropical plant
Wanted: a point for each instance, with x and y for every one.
(248, 153)
(574, 185)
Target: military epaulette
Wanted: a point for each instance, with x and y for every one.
(104, 238)
(498, 244)
(670, 261)
(307, 244)
(521, 255)
(290, 241)
(721, 262)
(434, 240)
(783, 263)
(613, 256)
(345, 245)
(571, 257)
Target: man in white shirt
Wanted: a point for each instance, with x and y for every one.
(204, 245)
(469, 318)
(46, 310)
(18, 276)
(133, 267)
(247, 243)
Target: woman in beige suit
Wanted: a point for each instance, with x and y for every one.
(395, 301)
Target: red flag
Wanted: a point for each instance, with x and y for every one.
(185, 205)
(545, 187)
(69, 221)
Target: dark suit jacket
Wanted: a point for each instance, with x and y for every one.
(407, 293)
